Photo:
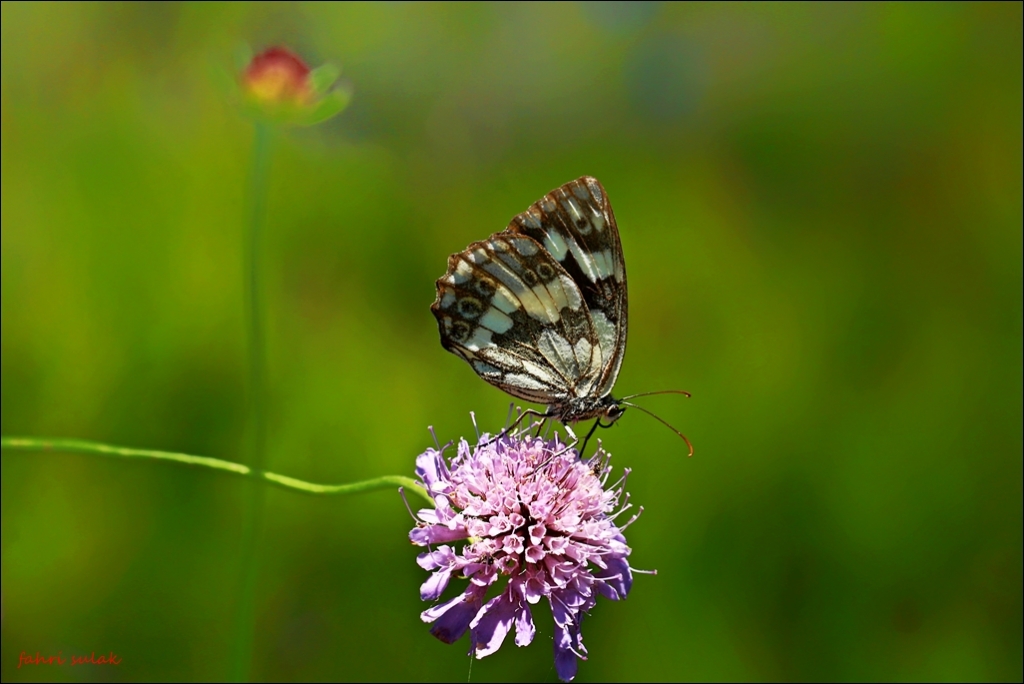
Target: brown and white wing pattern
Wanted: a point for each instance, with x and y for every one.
(539, 310)
(576, 225)
(511, 311)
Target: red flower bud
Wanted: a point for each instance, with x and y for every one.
(278, 76)
(277, 86)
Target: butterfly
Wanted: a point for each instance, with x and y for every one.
(539, 310)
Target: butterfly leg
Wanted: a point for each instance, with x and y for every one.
(540, 426)
(569, 445)
(572, 435)
(508, 430)
(597, 424)
(589, 434)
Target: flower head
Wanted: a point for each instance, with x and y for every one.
(531, 510)
(276, 85)
(277, 75)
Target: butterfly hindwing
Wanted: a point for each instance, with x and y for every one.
(576, 225)
(514, 314)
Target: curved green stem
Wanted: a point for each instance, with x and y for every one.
(81, 446)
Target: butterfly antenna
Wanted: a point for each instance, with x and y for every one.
(662, 421)
(647, 394)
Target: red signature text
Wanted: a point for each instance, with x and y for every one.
(59, 659)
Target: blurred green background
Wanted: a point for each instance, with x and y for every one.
(821, 212)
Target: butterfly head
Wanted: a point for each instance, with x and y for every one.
(614, 410)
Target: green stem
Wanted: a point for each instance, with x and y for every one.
(80, 446)
(252, 521)
(255, 333)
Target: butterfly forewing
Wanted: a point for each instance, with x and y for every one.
(539, 310)
(576, 225)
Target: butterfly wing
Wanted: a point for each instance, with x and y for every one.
(509, 309)
(576, 226)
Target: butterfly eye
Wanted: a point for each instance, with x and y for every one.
(470, 307)
(613, 412)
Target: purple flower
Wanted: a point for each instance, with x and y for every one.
(531, 510)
